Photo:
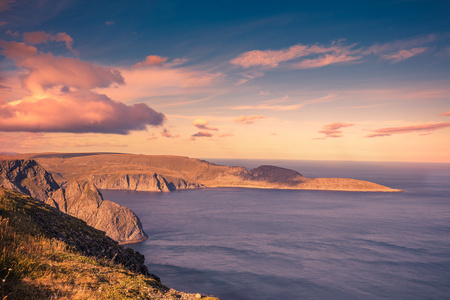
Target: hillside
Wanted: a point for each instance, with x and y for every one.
(165, 173)
(46, 254)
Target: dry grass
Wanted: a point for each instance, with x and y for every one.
(34, 266)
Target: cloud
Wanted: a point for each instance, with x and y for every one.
(248, 119)
(202, 134)
(109, 23)
(12, 33)
(5, 4)
(226, 135)
(268, 59)
(62, 99)
(408, 129)
(77, 112)
(151, 60)
(326, 60)
(315, 56)
(403, 54)
(202, 124)
(275, 104)
(3, 23)
(249, 76)
(38, 37)
(166, 133)
(332, 129)
(446, 114)
(46, 71)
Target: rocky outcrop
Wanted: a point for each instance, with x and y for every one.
(28, 177)
(80, 199)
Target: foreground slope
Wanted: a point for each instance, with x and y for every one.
(167, 173)
(47, 254)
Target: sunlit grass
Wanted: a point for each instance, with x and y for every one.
(35, 266)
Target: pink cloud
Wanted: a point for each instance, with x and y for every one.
(78, 112)
(202, 134)
(46, 71)
(61, 98)
(446, 114)
(248, 119)
(203, 125)
(314, 56)
(226, 135)
(151, 60)
(326, 60)
(407, 129)
(332, 129)
(38, 37)
(404, 54)
(166, 133)
(272, 58)
(12, 33)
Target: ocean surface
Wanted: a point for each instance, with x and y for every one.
(238, 243)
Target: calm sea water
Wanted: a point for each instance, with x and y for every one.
(272, 244)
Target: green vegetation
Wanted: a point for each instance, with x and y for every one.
(35, 265)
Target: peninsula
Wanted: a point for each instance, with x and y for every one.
(166, 173)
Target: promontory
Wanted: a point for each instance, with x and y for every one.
(167, 173)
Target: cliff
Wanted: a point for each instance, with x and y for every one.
(80, 199)
(46, 254)
(165, 173)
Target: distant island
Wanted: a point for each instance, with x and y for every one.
(166, 173)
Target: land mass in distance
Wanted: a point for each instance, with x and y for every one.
(167, 173)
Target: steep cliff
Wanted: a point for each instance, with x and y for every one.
(80, 199)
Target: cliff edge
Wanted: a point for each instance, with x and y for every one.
(80, 199)
(46, 254)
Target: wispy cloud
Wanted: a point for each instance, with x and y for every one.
(334, 53)
(166, 133)
(281, 104)
(403, 54)
(408, 129)
(249, 119)
(201, 134)
(333, 129)
(302, 56)
(203, 125)
(151, 60)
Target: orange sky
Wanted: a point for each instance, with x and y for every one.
(321, 97)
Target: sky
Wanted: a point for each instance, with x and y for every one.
(308, 80)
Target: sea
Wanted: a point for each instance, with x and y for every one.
(255, 244)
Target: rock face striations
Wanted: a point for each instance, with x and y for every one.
(80, 199)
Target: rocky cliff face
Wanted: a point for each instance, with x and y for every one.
(141, 182)
(78, 199)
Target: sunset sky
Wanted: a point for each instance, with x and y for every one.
(320, 80)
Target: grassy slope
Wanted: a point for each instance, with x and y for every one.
(34, 265)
